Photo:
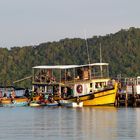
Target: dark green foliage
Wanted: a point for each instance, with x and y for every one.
(121, 50)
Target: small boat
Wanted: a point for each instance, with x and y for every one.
(68, 103)
(37, 103)
(53, 104)
(34, 104)
(16, 102)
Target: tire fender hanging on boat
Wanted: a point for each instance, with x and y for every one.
(78, 100)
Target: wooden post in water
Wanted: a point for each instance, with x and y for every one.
(118, 99)
(126, 97)
(134, 95)
(116, 104)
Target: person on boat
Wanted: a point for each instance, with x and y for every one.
(5, 95)
(36, 93)
(67, 76)
(80, 73)
(99, 86)
(48, 76)
(46, 98)
(64, 94)
(13, 94)
(70, 92)
(111, 83)
(37, 79)
(50, 98)
(52, 80)
(41, 98)
(26, 94)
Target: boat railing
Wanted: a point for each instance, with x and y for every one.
(47, 77)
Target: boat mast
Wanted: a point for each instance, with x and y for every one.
(88, 56)
(87, 49)
(101, 68)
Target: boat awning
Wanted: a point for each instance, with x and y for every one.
(68, 66)
(95, 64)
(56, 67)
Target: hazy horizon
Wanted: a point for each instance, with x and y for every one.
(30, 22)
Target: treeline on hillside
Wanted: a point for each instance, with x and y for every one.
(120, 50)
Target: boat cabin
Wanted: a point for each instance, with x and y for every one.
(73, 80)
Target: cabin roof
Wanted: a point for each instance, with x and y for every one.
(95, 64)
(56, 67)
(68, 66)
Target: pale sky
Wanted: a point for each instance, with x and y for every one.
(31, 22)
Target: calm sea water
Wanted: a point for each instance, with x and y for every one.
(59, 123)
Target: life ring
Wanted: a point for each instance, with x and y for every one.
(79, 89)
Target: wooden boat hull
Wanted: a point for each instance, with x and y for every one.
(14, 102)
(104, 97)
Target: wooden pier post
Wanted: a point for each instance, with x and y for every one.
(116, 104)
(126, 99)
(135, 101)
(134, 96)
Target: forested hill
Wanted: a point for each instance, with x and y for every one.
(121, 50)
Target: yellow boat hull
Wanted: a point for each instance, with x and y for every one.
(17, 100)
(105, 97)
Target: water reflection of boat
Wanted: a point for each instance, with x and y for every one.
(89, 83)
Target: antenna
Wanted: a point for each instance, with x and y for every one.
(87, 48)
(100, 53)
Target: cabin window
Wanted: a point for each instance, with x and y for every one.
(138, 81)
(90, 85)
(100, 85)
(97, 85)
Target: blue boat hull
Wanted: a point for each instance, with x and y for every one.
(52, 104)
(18, 104)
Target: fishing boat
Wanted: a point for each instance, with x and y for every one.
(37, 104)
(88, 83)
(16, 102)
